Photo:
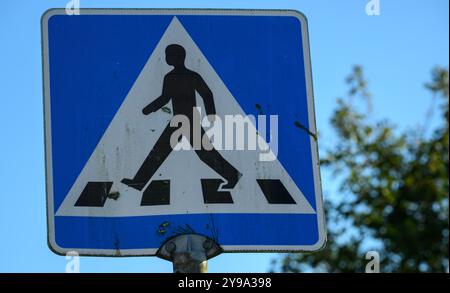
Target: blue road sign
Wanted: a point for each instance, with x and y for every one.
(167, 122)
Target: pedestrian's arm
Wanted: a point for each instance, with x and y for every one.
(204, 91)
(158, 103)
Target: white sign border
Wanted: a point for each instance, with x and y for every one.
(144, 11)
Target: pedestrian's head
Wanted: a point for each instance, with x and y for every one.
(175, 55)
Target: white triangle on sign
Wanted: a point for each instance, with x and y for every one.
(131, 135)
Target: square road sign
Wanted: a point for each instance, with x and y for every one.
(115, 81)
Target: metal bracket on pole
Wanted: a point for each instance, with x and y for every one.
(189, 252)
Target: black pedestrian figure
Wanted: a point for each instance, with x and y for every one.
(180, 86)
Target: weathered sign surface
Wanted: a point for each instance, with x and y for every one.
(167, 122)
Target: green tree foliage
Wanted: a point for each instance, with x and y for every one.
(394, 189)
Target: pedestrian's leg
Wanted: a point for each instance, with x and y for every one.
(154, 160)
(214, 160)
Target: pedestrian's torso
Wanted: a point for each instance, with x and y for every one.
(180, 86)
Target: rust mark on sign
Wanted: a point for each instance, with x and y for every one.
(166, 110)
(117, 246)
(165, 224)
(213, 229)
(186, 229)
(301, 126)
(259, 108)
(114, 195)
(162, 228)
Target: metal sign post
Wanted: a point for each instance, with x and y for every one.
(189, 253)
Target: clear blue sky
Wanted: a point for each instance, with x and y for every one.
(397, 49)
